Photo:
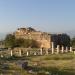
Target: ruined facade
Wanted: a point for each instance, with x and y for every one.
(29, 33)
(44, 39)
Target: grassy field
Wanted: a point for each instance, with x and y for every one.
(57, 64)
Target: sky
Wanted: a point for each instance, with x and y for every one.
(44, 15)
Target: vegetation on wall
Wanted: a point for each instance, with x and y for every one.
(11, 41)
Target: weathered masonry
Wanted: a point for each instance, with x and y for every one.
(29, 33)
(43, 38)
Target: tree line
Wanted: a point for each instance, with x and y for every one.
(61, 39)
(11, 41)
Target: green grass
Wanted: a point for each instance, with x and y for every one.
(56, 64)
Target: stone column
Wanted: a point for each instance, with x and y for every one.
(27, 53)
(62, 49)
(46, 51)
(57, 49)
(20, 54)
(41, 51)
(1, 56)
(11, 53)
(70, 49)
(66, 49)
(34, 53)
(52, 48)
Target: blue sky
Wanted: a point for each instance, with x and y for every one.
(44, 15)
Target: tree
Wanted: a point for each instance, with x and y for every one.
(9, 40)
(64, 40)
(30, 43)
(19, 42)
(61, 39)
(73, 42)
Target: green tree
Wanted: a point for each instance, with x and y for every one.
(9, 40)
(73, 42)
(65, 40)
(61, 39)
(19, 42)
(31, 43)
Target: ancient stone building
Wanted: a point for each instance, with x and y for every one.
(43, 38)
(29, 33)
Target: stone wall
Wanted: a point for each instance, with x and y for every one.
(42, 37)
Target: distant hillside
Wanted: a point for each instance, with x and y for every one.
(71, 33)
